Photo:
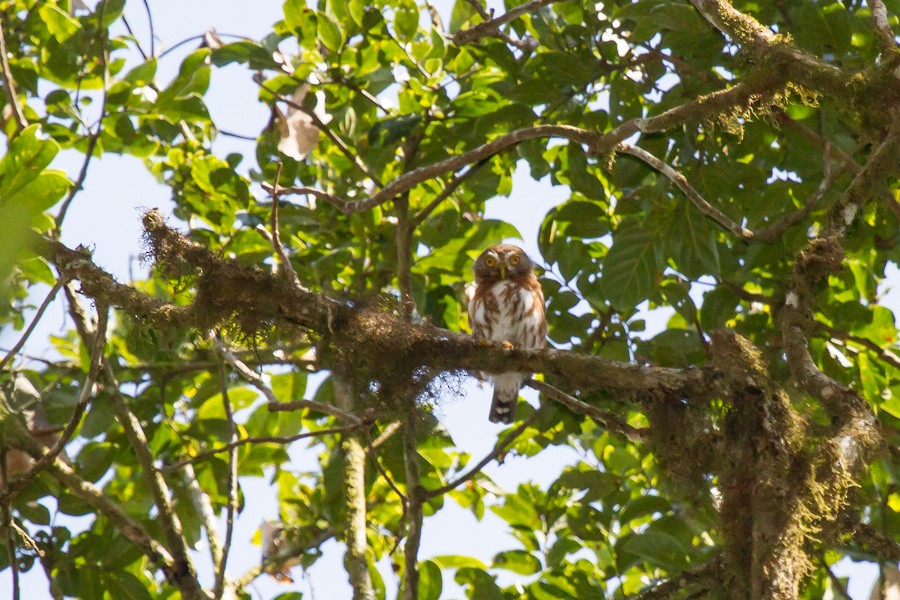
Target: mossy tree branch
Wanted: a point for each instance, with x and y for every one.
(354, 454)
(227, 289)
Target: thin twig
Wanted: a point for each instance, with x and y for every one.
(370, 450)
(244, 371)
(835, 152)
(152, 32)
(354, 158)
(280, 440)
(238, 136)
(679, 180)
(338, 202)
(487, 16)
(29, 541)
(317, 407)
(836, 584)
(489, 27)
(274, 404)
(410, 179)
(37, 317)
(166, 515)
(612, 422)
(203, 506)
(276, 236)
(403, 242)
(197, 38)
(385, 435)
(883, 353)
(137, 43)
(783, 223)
(9, 83)
(95, 136)
(451, 187)
(232, 481)
(118, 518)
(499, 448)
(87, 392)
(280, 557)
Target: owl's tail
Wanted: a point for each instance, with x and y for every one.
(506, 395)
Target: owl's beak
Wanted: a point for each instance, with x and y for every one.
(502, 270)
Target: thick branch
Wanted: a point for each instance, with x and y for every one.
(883, 31)
(234, 289)
(771, 50)
(415, 497)
(355, 559)
(412, 178)
(745, 94)
(707, 577)
(886, 548)
(823, 256)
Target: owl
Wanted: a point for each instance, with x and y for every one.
(507, 306)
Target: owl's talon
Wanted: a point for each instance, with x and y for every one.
(507, 345)
(484, 342)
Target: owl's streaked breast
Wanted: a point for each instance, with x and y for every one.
(508, 311)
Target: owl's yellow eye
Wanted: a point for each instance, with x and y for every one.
(514, 260)
(489, 262)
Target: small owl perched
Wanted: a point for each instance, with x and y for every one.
(507, 306)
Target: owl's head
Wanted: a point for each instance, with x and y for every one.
(503, 261)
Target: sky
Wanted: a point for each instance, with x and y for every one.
(106, 217)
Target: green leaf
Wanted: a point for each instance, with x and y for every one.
(643, 506)
(431, 582)
(692, 243)
(143, 73)
(517, 561)
(58, 22)
(392, 130)
(407, 20)
(448, 561)
(631, 268)
(659, 549)
(462, 14)
(481, 584)
(124, 585)
(248, 52)
(329, 32)
(718, 307)
(26, 158)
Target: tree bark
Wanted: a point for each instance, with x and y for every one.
(355, 560)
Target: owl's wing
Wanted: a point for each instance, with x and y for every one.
(477, 314)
